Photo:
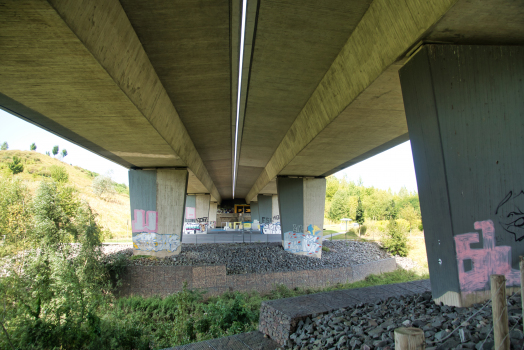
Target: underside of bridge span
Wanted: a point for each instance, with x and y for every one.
(154, 86)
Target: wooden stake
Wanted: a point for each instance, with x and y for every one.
(500, 312)
(521, 265)
(409, 339)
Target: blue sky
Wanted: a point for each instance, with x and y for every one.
(390, 169)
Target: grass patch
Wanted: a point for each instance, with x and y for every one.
(187, 317)
(328, 232)
(347, 235)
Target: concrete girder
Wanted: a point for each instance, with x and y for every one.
(105, 30)
(385, 33)
(78, 69)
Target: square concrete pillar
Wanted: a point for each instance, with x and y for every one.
(301, 203)
(268, 212)
(213, 206)
(157, 200)
(202, 211)
(465, 113)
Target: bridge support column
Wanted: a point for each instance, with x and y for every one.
(255, 217)
(157, 200)
(213, 206)
(465, 113)
(301, 203)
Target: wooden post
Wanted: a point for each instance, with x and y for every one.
(410, 338)
(521, 266)
(500, 312)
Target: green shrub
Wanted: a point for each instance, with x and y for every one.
(363, 229)
(59, 173)
(396, 241)
(421, 227)
(121, 188)
(16, 166)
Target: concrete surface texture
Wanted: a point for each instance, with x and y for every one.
(465, 110)
(154, 84)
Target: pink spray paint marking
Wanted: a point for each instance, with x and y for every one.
(485, 261)
(145, 222)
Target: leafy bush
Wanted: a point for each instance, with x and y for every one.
(15, 208)
(5, 146)
(32, 147)
(54, 290)
(397, 242)
(103, 186)
(421, 227)
(59, 173)
(363, 229)
(16, 166)
(55, 150)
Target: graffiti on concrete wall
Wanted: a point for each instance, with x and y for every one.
(212, 224)
(145, 233)
(271, 229)
(510, 216)
(144, 221)
(483, 262)
(308, 243)
(191, 226)
(154, 242)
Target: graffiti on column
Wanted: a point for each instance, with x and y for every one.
(485, 261)
(145, 233)
(212, 224)
(308, 243)
(510, 216)
(272, 229)
(271, 226)
(191, 226)
(144, 221)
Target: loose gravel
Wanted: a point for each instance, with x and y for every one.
(371, 326)
(242, 258)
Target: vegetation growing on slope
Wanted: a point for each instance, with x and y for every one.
(113, 213)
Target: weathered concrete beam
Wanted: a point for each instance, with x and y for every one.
(103, 27)
(388, 29)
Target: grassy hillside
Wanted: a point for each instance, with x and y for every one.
(113, 213)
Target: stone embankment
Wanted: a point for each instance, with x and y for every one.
(244, 258)
(370, 326)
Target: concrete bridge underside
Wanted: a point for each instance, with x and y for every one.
(154, 85)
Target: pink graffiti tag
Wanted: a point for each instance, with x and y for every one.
(485, 261)
(149, 224)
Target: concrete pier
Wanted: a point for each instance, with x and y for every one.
(157, 209)
(465, 114)
(301, 202)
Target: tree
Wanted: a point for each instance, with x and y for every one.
(396, 243)
(103, 185)
(392, 210)
(32, 147)
(55, 150)
(360, 215)
(47, 153)
(332, 186)
(409, 214)
(16, 166)
(64, 153)
(4, 146)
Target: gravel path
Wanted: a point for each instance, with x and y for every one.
(371, 326)
(259, 258)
